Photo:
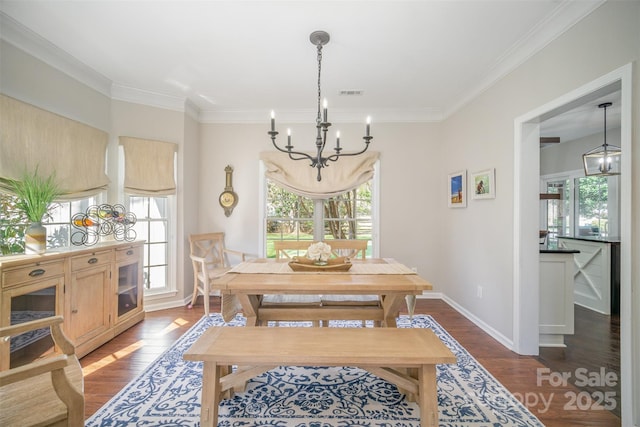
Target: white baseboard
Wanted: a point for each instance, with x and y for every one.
(151, 306)
(430, 295)
(508, 343)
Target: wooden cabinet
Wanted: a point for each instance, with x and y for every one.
(596, 273)
(29, 291)
(88, 298)
(128, 286)
(556, 313)
(98, 291)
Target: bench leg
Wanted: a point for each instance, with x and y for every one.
(428, 396)
(210, 394)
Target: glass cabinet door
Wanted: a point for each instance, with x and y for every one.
(30, 303)
(127, 288)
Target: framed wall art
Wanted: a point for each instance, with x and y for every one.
(457, 189)
(484, 184)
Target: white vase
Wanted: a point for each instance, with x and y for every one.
(35, 239)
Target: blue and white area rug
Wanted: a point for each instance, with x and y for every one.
(168, 393)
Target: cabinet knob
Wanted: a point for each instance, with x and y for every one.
(37, 272)
(92, 260)
(130, 252)
(74, 311)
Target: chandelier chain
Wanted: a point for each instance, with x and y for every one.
(318, 160)
(318, 119)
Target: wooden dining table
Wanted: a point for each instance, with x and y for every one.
(243, 288)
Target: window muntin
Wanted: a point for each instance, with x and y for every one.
(57, 222)
(293, 217)
(589, 206)
(152, 225)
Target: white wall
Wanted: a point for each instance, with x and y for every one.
(481, 135)
(32, 81)
(411, 187)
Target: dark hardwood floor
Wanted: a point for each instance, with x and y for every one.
(110, 367)
(592, 356)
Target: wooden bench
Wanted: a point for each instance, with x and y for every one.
(405, 357)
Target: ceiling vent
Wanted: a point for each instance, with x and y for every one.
(351, 92)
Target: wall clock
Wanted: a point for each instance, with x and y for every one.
(228, 198)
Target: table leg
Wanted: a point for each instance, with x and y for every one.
(210, 394)
(428, 396)
(391, 307)
(250, 306)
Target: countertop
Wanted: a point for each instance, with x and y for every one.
(552, 248)
(606, 239)
(558, 251)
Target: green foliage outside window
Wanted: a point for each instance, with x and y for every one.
(291, 217)
(593, 195)
(13, 223)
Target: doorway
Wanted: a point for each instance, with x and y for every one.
(526, 256)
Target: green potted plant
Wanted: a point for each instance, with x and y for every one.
(34, 194)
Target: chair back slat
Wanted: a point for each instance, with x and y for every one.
(209, 246)
(353, 248)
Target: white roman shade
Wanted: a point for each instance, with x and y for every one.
(300, 178)
(148, 166)
(33, 138)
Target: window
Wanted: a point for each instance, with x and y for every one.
(592, 210)
(558, 211)
(152, 225)
(293, 217)
(589, 206)
(58, 223)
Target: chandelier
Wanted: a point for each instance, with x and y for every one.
(605, 159)
(318, 160)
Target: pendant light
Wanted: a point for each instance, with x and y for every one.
(605, 159)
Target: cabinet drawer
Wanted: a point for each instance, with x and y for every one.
(128, 254)
(31, 273)
(90, 260)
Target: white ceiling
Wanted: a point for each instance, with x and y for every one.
(237, 60)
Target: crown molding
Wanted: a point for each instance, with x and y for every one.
(423, 115)
(148, 98)
(565, 16)
(23, 38)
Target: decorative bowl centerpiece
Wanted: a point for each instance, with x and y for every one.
(319, 259)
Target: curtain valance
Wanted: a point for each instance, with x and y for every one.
(33, 138)
(339, 177)
(148, 166)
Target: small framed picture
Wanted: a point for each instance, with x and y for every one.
(484, 184)
(457, 189)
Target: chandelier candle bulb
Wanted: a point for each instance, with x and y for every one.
(289, 146)
(338, 141)
(318, 160)
(273, 120)
(324, 106)
(368, 125)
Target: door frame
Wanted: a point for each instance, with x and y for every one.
(525, 248)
